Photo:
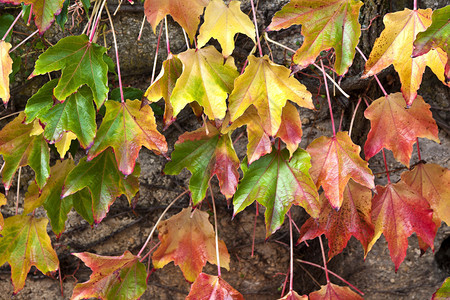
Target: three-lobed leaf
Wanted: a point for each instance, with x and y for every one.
(212, 287)
(6, 65)
(331, 291)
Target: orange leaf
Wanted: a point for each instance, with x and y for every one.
(334, 161)
(290, 130)
(397, 212)
(334, 292)
(396, 128)
(5, 70)
(292, 295)
(395, 46)
(212, 287)
(188, 239)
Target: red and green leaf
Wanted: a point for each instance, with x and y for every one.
(113, 277)
(188, 239)
(334, 292)
(6, 64)
(212, 287)
(443, 293)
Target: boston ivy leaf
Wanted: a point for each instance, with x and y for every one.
(353, 218)
(20, 147)
(334, 292)
(187, 15)
(443, 292)
(222, 23)
(276, 182)
(206, 153)
(188, 239)
(113, 277)
(25, 243)
(396, 128)
(2, 202)
(290, 130)
(325, 24)
(334, 161)
(212, 287)
(397, 212)
(395, 46)
(126, 128)
(292, 295)
(5, 22)
(76, 114)
(433, 183)
(6, 64)
(104, 180)
(63, 145)
(206, 79)
(81, 63)
(267, 86)
(41, 102)
(164, 84)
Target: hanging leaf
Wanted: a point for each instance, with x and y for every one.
(113, 277)
(334, 292)
(443, 293)
(206, 79)
(6, 65)
(25, 243)
(432, 182)
(395, 46)
(2, 202)
(396, 128)
(206, 153)
(352, 219)
(63, 145)
(188, 239)
(185, 14)
(104, 181)
(126, 128)
(334, 161)
(290, 130)
(325, 24)
(397, 212)
(222, 23)
(267, 86)
(276, 182)
(212, 287)
(20, 147)
(81, 62)
(41, 102)
(292, 295)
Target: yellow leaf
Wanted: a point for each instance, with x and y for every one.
(37, 128)
(5, 69)
(395, 46)
(63, 144)
(222, 23)
(2, 202)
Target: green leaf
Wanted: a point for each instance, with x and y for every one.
(104, 180)
(111, 65)
(86, 6)
(206, 153)
(126, 128)
(25, 243)
(76, 114)
(5, 22)
(41, 102)
(443, 292)
(20, 147)
(82, 202)
(81, 62)
(17, 63)
(128, 93)
(277, 182)
(61, 19)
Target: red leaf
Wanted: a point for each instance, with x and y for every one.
(334, 292)
(292, 295)
(208, 287)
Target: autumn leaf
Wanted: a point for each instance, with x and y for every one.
(397, 212)
(222, 23)
(212, 287)
(63, 145)
(2, 202)
(187, 14)
(352, 219)
(81, 62)
(20, 147)
(443, 293)
(325, 24)
(334, 292)
(334, 161)
(104, 181)
(432, 182)
(5, 69)
(206, 79)
(292, 295)
(395, 46)
(126, 128)
(290, 130)
(113, 277)
(188, 239)
(206, 153)
(396, 128)
(44, 11)
(277, 182)
(25, 243)
(267, 86)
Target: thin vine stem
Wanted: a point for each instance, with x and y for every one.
(324, 260)
(386, 166)
(12, 25)
(254, 229)
(216, 231)
(328, 98)
(159, 220)
(18, 190)
(24, 41)
(415, 4)
(376, 77)
(167, 35)
(94, 29)
(256, 28)
(291, 253)
(156, 54)
(150, 252)
(117, 55)
(353, 118)
(186, 39)
(142, 28)
(10, 115)
(418, 149)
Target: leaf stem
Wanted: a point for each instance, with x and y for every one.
(328, 98)
(10, 115)
(386, 166)
(99, 14)
(376, 77)
(332, 273)
(24, 41)
(291, 253)
(18, 190)
(324, 260)
(254, 229)
(156, 54)
(117, 55)
(353, 118)
(150, 252)
(215, 229)
(186, 39)
(159, 220)
(415, 4)
(12, 25)
(167, 35)
(418, 149)
(142, 28)
(256, 28)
